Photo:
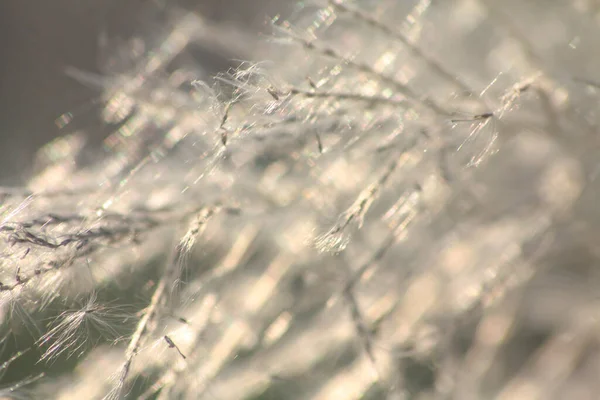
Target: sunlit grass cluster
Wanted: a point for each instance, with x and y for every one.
(394, 199)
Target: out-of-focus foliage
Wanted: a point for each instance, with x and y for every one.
(392, 200)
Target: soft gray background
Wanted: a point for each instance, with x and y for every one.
(39, 39)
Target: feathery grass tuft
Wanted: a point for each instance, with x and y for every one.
(394, 199)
